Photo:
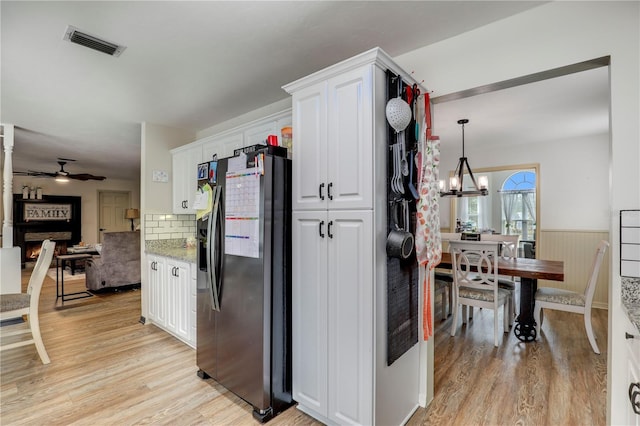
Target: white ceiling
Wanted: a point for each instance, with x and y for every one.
(561, 108)
(195, 64)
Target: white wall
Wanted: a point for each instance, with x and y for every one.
(550, 36)
(574, 179)
(157, 141)
(88, 190)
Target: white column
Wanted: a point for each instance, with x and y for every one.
(7, 190)
(9, 255)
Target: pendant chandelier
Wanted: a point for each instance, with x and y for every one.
(456, 186)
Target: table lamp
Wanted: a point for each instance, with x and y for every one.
(131, 214)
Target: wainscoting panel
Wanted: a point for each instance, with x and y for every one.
(576, 249)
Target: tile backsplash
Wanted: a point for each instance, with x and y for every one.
(169, 226)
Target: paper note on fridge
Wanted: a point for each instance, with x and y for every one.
(237, 163)
(201, 201)
(242, 213)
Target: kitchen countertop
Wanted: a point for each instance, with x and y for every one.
(174, 249)
(633, 312)
(631, 299)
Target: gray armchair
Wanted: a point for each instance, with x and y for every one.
(118, 263)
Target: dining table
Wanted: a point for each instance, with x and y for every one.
(530, 271)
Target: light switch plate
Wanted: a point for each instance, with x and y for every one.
(160, 176)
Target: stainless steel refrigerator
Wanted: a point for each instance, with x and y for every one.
(244, 277)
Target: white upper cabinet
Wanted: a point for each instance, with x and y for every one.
(185, 173)
(333, 138)
(253, 133)
(186, 158)
(222, 146)
(257, 135)
(310, 152)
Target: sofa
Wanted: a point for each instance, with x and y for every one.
(118, 263)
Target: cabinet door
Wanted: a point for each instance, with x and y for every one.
(350, 140)
(309, 183)
(173, 295)
(350, 317)
(156, 268)
(193, 304)
(633, 372)
(180, 302)
(222, 146)
(309, 305)
(258, 134)
(185, 175)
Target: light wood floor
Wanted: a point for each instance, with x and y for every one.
(108, 369)
(558, 380)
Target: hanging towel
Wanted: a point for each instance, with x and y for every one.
(427, 240)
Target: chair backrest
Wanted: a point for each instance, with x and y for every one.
(595, 268)
(449, 236)
(40, 270)
(475, 264)
(509, 243)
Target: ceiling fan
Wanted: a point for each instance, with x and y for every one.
(62, 173)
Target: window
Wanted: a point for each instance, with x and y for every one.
(519, 205)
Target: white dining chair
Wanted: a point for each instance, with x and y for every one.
(571, 301)
(509, 250)
(478, 288)
(18, 304)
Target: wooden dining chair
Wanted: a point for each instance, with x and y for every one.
(509, 250)
(571, 301)
(19, 304)
(475, 275)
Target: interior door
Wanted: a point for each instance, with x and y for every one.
(111, 205)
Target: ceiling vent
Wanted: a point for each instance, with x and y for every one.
(74, 35)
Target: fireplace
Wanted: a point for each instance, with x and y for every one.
(56, 218)
(32, 249)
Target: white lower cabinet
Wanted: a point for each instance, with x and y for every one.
(333, 324)
(172, 293)
(632, 338)
(156, 266)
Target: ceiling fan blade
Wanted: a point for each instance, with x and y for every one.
(33, 173)
(62, 173)
(85, 176)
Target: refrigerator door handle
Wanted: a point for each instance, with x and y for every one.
(208, 254)
(212, 277)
